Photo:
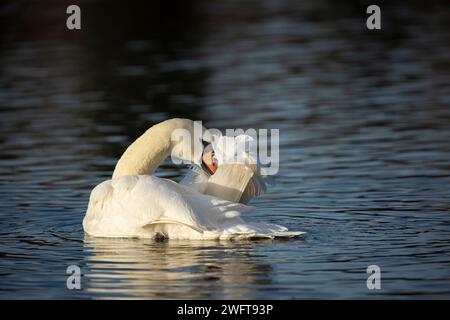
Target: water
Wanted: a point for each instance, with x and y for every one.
(364, 128)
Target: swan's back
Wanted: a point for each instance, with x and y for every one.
(147, 207)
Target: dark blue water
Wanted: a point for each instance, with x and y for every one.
(365, 144)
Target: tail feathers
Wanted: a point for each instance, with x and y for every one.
(260, 230)
(171, 229)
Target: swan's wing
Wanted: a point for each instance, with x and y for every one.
(218, 218)
(206, 212)
(255, 187)
(196, 178)
(122, 206)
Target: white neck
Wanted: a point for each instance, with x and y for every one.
(146, 154)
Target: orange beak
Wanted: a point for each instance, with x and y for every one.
(210, 162)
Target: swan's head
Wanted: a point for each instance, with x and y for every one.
(191, 142)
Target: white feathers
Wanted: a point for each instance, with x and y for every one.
(147, 207)
(137, 204)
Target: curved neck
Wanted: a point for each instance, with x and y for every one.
(145, 154)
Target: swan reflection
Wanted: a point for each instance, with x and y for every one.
(172, 269)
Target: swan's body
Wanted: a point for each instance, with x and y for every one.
(137, 204)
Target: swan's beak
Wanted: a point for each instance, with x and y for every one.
(209, 162)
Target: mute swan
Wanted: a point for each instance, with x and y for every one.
(135, 203)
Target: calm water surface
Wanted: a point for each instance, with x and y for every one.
(365, 145)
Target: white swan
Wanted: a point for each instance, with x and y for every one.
(137, 204)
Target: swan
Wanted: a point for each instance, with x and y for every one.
(137, 204)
